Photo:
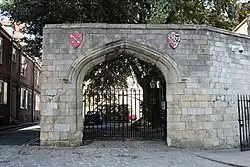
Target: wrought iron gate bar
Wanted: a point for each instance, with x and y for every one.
(120, 114)
(243, 118)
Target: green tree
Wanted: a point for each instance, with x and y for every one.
(36, 13)
(243, 10)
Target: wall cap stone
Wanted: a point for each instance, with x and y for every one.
(49, 27)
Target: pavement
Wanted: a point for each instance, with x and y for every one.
(110, 154)
(117, 154)
(233, 157)
(103, 154)
(19, 134)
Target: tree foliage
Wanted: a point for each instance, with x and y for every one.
(36, 13)
(243, 10)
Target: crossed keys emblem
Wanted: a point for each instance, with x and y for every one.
(75, 39)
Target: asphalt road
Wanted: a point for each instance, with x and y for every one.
(20, 136)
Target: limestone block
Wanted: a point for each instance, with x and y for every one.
(227, 124)
(177, 134)
(208, 125)
(198, 125)
(60, 143)
(170, 98)
(196, 111)
(53, 136)
(184, 111)
(194, 104)
(48, 120)
(228, 132)
(56, 112)
(179, 126)
(220, 133)
(62, 127)
(216, 142)
(188, 91)
(188, 118)
(208, 142)
(230, 117)
(217, 125)
(192, 85)
(63, 135)
(191, 134)
(47, 127)
(208, 111)
(230, 141)
(203, 118)
(202, 98)
(44, 135)
(61, 120)
(189, 126)
(169, 141)
(176, 118)
(188, 98)
(185, 104)
(223, 142)
(217, 117)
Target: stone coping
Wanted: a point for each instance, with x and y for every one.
(144, 27)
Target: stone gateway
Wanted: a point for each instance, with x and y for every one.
(203, 69)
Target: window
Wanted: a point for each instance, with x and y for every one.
(14, 55)
(37, 77)
(1, 50)
(3, 92)
(24, 98)
(23, 66)
(37, 106)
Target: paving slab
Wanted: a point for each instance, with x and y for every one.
(233, 157)
(103, 154)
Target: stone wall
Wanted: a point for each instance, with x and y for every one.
(203, 77)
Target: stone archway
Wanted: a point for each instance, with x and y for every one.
(72, 129)
(201, 109)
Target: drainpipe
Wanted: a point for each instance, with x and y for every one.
(18, 87)
(10, 81)
(33, 91)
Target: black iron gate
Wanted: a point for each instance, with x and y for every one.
(121, 114)
(244, 122)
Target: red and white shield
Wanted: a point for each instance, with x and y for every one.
(75, 39)
(174, 39)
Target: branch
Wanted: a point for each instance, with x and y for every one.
(137, 72)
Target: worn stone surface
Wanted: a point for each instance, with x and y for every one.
(203, 78)
(102, 154)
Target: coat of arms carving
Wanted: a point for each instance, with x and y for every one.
(174, 39)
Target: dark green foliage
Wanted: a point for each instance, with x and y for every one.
(37, 13)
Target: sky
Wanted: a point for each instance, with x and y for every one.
(243, 0)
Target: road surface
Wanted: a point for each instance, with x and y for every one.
(20, 136)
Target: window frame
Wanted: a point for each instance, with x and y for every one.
(37, 101)
(1, 49)
(3, 92)
(14, 51)
(23, 99)
(37, 77)
(23, 66)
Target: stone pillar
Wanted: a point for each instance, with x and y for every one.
(61, 120)
(61, 124)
